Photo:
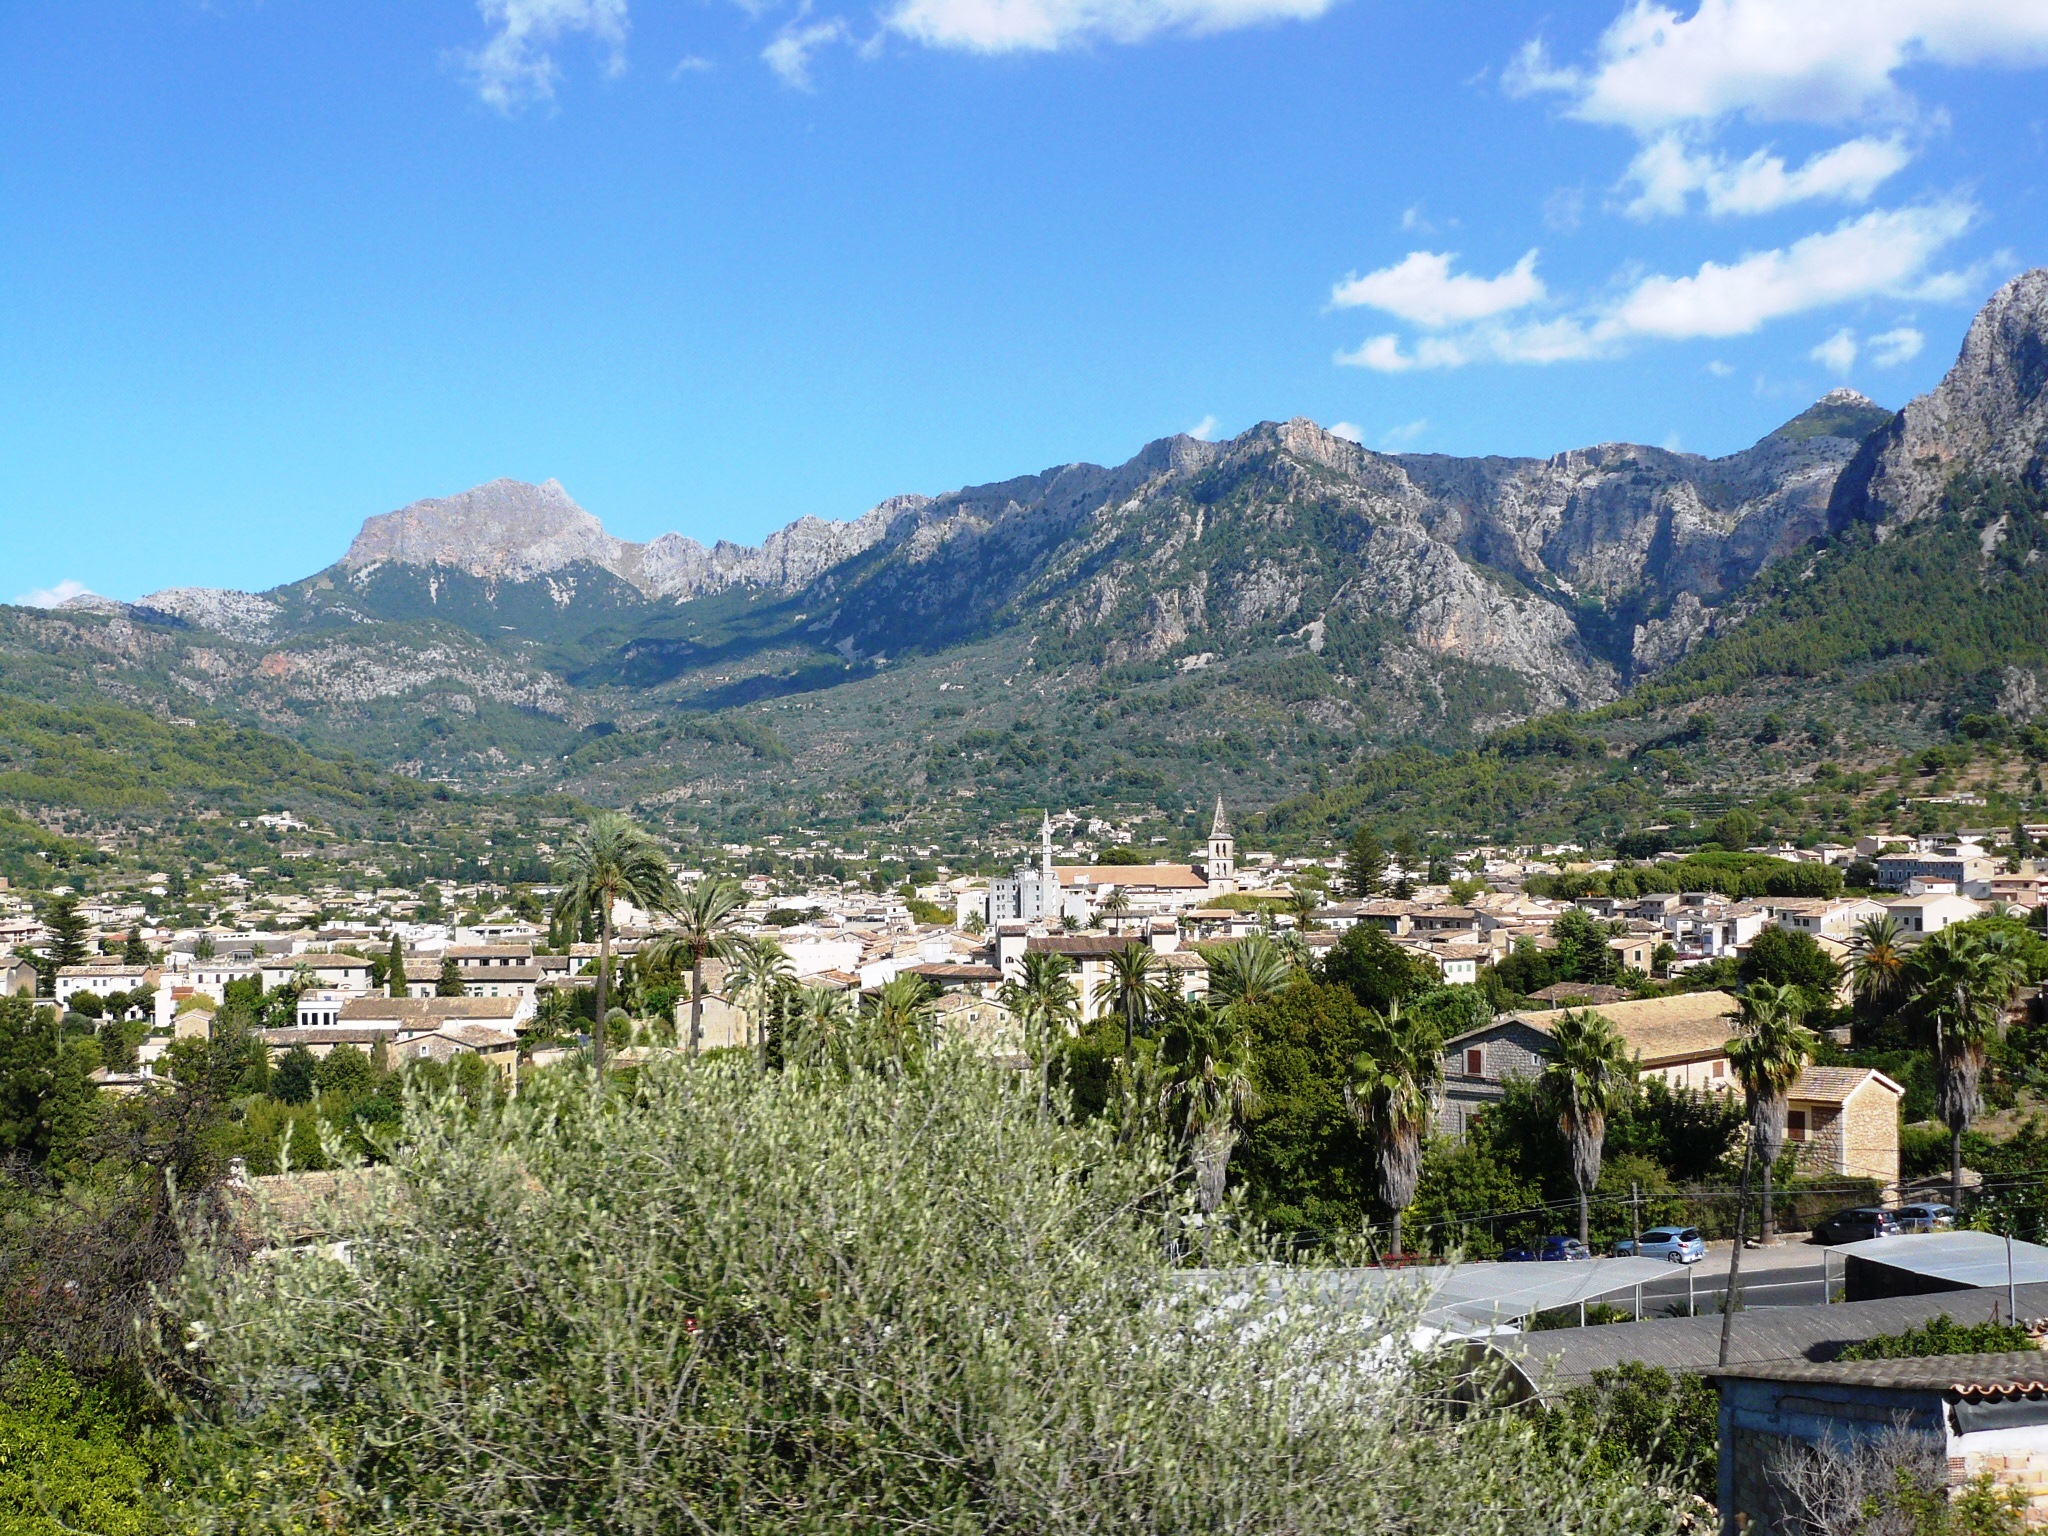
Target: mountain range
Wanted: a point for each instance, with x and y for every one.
(1254, 614)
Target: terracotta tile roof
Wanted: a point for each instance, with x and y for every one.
(427, 1010)
(1660, 1030)
(1834, 1085)
(1164, 877)
(1082, 944)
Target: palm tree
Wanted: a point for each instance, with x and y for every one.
(761, 974)
(603, 863)
(1303, 904)
(822, 1028)
(1251, 971)
(1396, 1088)
(1206, 1097)
(1045, 1003)
(1877, 961)
(1767, 1058)
(704, 917)
(900, 1019)
(1964, 984)
(1135, 988)
(1590, 1074)
(1116, 903)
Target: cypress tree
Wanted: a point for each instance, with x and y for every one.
(395, 968)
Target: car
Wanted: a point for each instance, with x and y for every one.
(1930, 1217)
(1855, 1225)
(1548, 1250)
(1680, 1245)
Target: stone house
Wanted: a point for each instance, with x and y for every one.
(1845, 1120)
(1679, 1039)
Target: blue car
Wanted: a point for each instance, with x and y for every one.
(1548, 1250)
(1680, 1245)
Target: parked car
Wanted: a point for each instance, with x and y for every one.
(1547, 1250)
(1855, 1225)
(1932, 1217)
(1681, 1245)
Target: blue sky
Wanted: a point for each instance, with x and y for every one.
(268, 267)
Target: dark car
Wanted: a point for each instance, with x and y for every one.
(1548, 1250)
(1855, 1225)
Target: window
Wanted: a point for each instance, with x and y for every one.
(1720, 1069)
(1475, 1061)
(1795, 1124)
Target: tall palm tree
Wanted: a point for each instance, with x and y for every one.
(899, 1023)
(760, 977)
(704, 917)
(605, 862)
(1206, 1096)
(1877, 962)
(1963, 985)
(1045, 1003)
(1395, 1090)
(1135, 989)
(1590, 1074)
(1250, 971)
(1767, 1058)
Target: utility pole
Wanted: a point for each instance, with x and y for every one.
(1635, 1204)
(1731, 1296)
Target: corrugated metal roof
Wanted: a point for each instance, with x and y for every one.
(1568, 1357)
(2023, 1373)
(1962, 1258)
(1478, 1296)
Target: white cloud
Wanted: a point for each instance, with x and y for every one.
(1784, 60)
(514, 67)
(1351, 431)
(52, 597)
(1406, 433)
(1203, 430)
(1669, 173)
(1884, 253)
(1896, 346)
(790, 54)
(1422, 289)
(691, 64)
(1018, 26)
(1838, 353)
(1719, 369)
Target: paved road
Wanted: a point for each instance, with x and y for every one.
(1774, 1285)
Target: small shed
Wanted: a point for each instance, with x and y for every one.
(1988, 1413)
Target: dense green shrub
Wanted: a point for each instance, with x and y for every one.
(725, 1302)
(71, 1458)
(1941, 1335)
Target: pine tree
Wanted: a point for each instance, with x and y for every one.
(67, 940)
(135, 951)
(1365, 865)
(451, 983)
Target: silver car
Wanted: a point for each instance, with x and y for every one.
(1933, 1217)
(1678, 1245)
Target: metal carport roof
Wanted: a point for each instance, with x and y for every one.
(1960, 1258)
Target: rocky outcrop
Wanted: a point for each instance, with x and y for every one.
(511, 531)
(1989, 416)
(238, 615)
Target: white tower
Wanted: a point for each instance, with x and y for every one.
(1048, 877)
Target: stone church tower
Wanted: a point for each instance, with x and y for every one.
(1221, 869)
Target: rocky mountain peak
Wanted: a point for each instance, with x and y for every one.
(1989, 415)
(505, 529)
